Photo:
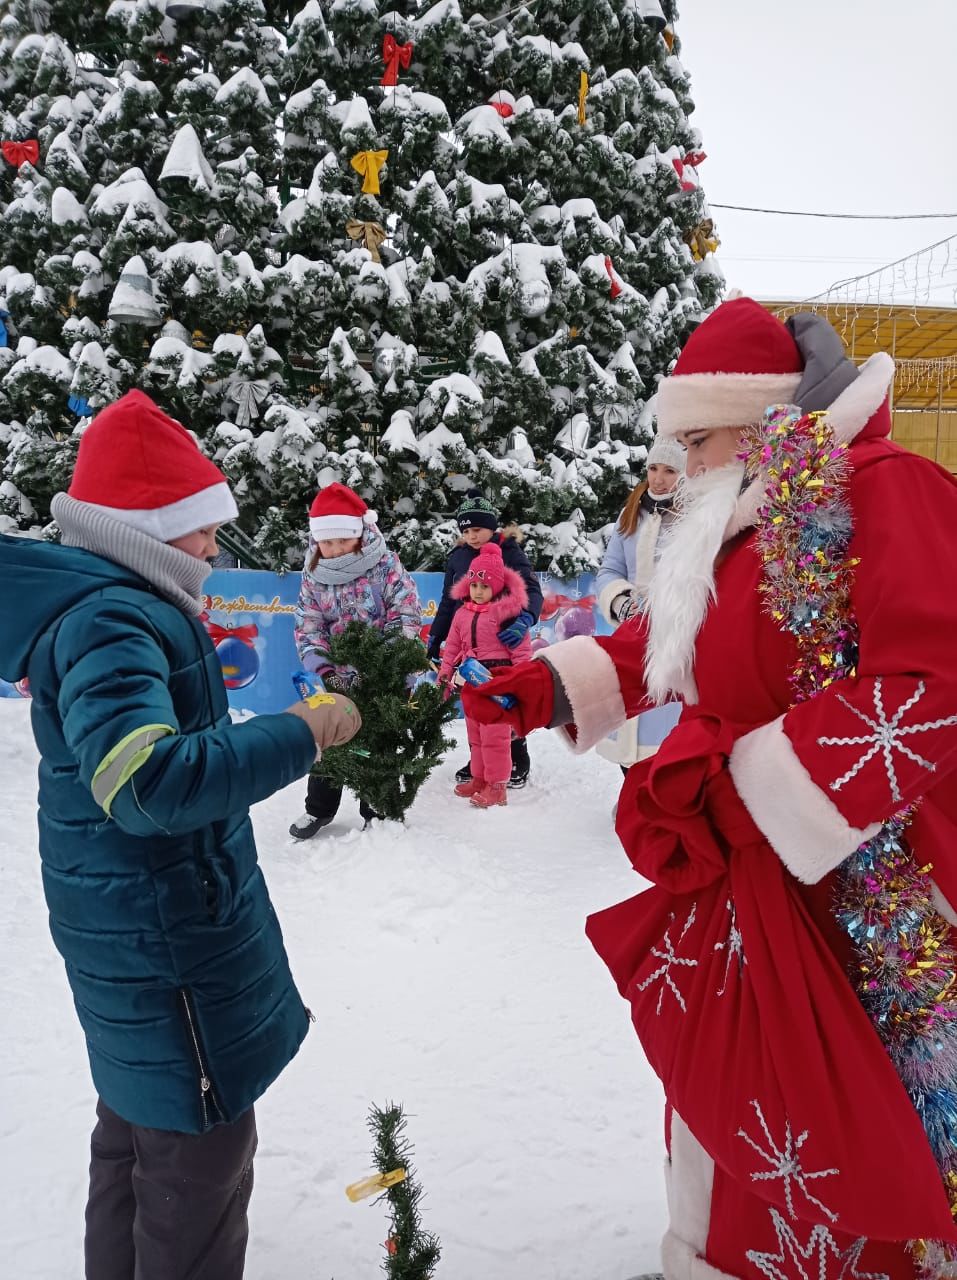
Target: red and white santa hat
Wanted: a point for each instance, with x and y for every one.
(737, 362)
(140, 466)
(338, 512)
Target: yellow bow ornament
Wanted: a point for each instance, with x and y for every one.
(368, 163)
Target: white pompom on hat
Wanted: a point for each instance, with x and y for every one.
(338, 512)
(140, 466)
(667, 452)
(738, 361)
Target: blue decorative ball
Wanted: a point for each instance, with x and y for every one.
(240, 663)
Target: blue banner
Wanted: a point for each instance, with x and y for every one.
(250, 617)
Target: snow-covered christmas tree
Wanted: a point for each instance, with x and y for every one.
(414, 248)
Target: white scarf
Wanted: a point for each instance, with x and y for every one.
(682, 586)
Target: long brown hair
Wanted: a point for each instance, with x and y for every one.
(631, 513)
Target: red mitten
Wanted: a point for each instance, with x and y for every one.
(532, 686)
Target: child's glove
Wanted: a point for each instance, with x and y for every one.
(531, 683)
(433, 649)
(517, 629)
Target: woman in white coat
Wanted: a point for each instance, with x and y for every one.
(622, 584)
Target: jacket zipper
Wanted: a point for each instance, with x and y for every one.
(475, 619)
(207, 1097)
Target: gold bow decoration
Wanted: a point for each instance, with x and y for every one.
(368, 163)
(702, 240)
(371, 234)
(582, 95)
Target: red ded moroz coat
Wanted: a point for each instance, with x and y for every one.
(795, 1152)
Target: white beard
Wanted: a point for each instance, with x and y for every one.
(682, 585)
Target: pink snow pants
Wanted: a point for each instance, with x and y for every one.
(491, 746)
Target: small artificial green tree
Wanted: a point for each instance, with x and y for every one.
(411, 1253)
(401, 731)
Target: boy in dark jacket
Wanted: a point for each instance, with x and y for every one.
(157, 903)
(478, 522)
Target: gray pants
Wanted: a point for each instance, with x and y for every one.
(168, 1206)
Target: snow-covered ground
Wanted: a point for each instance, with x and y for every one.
(448, 967)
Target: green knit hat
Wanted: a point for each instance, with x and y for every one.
(476, 512)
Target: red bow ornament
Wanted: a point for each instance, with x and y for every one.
(395, 55)
(689, 161)
(18, 153)
(504, 109)
(615, 286)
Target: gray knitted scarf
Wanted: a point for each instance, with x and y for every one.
(176, 575)
(341, 569)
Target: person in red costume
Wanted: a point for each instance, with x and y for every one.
(791, 971)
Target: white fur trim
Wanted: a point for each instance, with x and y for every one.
(609, 594)
(705, 401)
(212, 505)
(680, 1262)
(802, 824)
(646, 544)
(590, 682)
(323, 527)
(689, 1178)
(858, 403)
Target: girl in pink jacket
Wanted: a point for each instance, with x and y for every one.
(494, 595)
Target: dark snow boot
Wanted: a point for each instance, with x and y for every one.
(520, 764)
(306, 826)
(464, 774)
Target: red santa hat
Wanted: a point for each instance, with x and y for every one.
(737, 362)
(138, 465)
(338, 512)
(488, 567)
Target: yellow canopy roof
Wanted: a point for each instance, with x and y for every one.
(922, 340)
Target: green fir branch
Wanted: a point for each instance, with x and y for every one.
(415, 1253)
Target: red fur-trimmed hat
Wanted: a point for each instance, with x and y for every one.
(737, 362)
(338, 512)
(138, 465)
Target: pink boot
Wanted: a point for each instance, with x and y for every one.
(471, 787)
(492, 794)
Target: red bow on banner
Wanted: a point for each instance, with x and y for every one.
(394, 56)
(615, 286)
(216, 633)
(554, 604)
(18, 153)
(504, 109)
(694, 158)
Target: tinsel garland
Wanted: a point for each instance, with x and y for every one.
(906, 963)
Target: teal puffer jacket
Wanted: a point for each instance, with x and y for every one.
(157, 903)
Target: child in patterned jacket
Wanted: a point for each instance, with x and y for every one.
(350, 575)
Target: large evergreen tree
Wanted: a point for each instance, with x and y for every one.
(201, 219)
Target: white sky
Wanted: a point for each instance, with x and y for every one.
(846, 106)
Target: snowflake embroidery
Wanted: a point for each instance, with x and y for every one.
(670, 959)
(818, 1259)
(785, 1163)
(735, 948)
(885, 738)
